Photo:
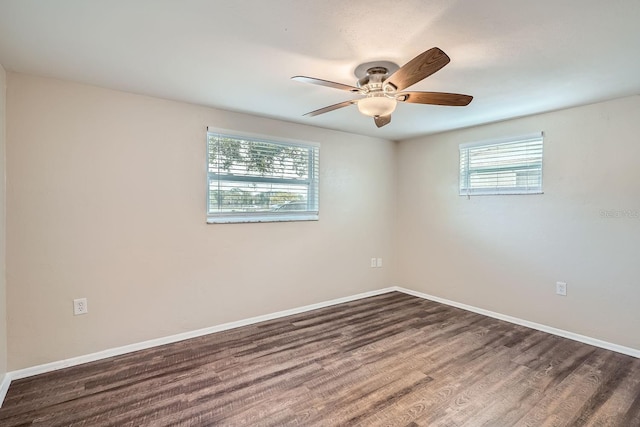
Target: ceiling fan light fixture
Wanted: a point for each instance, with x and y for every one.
(377, 105)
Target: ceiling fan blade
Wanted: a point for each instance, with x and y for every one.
(382, 120)
(435, 98)
(326, 83)
(418, 68)
(331, 108)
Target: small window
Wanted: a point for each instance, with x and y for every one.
(511, 166)
(258, 180)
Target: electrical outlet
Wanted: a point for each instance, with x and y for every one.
(561, 288)
(379, 262)
(373, 262)
(80, 306)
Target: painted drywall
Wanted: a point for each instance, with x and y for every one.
(106, 200)
(505, 253)
(3, 236)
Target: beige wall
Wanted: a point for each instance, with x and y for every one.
(505, 253)
(106, 200)
(3, 237)
(106, 197)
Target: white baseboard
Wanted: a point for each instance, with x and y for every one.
(4, 386)
(53, 366)
(544, 328)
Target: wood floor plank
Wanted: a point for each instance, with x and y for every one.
(388, 360)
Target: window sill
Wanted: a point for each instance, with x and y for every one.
(237, 219)
(501, 193)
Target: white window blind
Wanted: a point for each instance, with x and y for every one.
(511, 166)
(255, 180)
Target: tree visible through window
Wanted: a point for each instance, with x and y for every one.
(252, 180)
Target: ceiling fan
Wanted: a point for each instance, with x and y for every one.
(382, 84)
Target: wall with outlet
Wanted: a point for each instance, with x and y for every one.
(106, 201)
(106, 197)
(507, 253)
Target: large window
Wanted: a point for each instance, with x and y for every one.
(511, 166)
(255, 180)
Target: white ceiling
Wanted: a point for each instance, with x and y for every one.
(515, 57)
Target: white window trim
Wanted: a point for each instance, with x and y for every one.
(501, 191)
(241, 217)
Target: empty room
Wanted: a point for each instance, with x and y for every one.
(319, 213)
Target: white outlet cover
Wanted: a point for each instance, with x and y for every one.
(80, 306)
(373, 262)
(561, 288)
(379, 262)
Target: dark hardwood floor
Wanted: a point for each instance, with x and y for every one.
(390, 360)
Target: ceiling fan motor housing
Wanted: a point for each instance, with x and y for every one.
(374, 78)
